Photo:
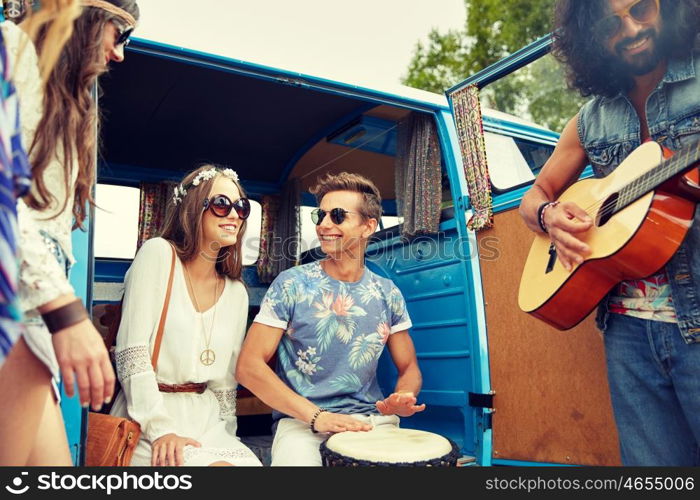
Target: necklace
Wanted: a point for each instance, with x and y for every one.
(207, 356)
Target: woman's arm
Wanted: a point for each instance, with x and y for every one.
(145, 287)
(43, 283)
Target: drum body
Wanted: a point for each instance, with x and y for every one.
(389, 447)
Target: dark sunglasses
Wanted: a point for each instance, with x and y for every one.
(642, 11)
(221, 206)
(337, 215)
(123, 36)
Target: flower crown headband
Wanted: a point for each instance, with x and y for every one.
(180, 191)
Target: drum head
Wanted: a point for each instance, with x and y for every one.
(389, 446)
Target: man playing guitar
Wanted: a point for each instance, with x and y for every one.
(638, 59)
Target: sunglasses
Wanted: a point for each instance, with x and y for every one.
(123, 36)
(642, 11)
(337, 215)
(221, 206)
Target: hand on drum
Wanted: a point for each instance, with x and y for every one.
(402, 404)
(336, 422)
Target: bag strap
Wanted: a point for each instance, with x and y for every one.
(164, 314)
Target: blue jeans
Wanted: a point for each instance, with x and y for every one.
(654, 379)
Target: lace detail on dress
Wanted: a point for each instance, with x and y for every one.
(132, 361)
(25, 75)
(227, 454)
(227, 402)
(41, 278)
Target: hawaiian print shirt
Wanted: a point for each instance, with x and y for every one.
(648, 298)
(334, 333)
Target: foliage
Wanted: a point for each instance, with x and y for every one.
(494, 29)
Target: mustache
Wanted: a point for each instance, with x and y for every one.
(619, 46)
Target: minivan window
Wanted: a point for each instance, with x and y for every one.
(512, 161)
(116, 221)
(117, 224)
(536, 93)
(251, 240)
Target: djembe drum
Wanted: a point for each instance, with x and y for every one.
(389, 447)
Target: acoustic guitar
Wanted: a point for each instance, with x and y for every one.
(641, 213)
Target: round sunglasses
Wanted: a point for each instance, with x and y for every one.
(221, 206)
(337, 215)
(642, 11)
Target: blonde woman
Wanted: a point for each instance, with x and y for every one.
(186, 408)
(59, 123)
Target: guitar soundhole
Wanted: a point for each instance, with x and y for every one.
(607, 210)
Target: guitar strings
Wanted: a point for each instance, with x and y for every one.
(647, 183)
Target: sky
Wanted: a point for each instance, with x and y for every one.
(359, 40)
(367, 42)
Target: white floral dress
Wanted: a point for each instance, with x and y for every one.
(44, 236)
(210, 417)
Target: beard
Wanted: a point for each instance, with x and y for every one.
(643, 62)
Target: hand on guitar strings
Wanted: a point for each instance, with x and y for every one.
(564, 221)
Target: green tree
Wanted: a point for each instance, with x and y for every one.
(494, 29)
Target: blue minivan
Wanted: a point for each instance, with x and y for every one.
(505, 387)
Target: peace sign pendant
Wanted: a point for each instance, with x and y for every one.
(207, 357)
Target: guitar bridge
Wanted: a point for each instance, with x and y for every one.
(552, 258)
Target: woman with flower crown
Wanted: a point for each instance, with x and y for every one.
(187, 406)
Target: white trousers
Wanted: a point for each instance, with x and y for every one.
(296, 445)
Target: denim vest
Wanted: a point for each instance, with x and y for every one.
(609, 129)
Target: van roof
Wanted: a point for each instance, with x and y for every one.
(169, 109)
(398, 89)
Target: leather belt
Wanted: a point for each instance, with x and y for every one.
(189, 387)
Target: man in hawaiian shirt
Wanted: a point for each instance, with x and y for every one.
(328, 321)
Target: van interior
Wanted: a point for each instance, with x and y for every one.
(496, 381)
(164, 115)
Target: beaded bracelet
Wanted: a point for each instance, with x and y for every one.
(540, 214)
(312, 424)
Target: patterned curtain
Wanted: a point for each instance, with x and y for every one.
(279, 245)
(418, 176)
(154, 201)
(470, 130)
(270, 207)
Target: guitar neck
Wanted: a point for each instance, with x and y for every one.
(677, 164)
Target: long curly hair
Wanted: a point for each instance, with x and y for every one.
(69, 124)
(590, 68)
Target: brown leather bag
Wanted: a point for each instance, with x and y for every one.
(111, 440)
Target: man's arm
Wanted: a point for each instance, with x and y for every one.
(565, 220)
(403, 401)
(256, 375)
